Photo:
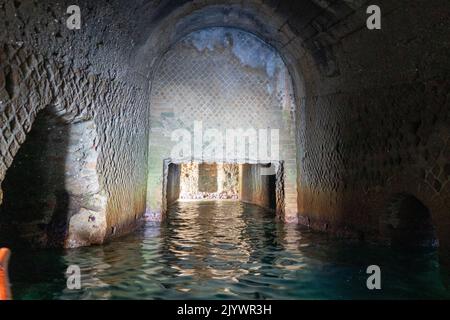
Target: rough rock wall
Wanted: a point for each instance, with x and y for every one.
(380, 125)
(207, 177)
(383, 144)
(189, 180)
(209, 180)
(78, 73)
(228, 178)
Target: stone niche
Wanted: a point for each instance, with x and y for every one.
(224, 79)
(261, 184)
(207, 181)
(51, 193)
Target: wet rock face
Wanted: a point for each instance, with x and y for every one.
(209, 181)
(86, 227)
(189, 179)
(207, 177)
(87, 224)
(228, 181)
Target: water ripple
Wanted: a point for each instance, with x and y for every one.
(226, 250)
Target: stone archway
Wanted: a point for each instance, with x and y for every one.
(407, 223)
(223, 79)
(51, 193)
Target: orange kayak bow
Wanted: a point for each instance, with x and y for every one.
(5, 291)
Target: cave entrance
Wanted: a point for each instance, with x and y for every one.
(256, 183)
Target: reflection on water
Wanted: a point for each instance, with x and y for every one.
(220, 250)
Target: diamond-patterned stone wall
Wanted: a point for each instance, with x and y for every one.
(30, 82)
(226, 79)
(366, 142)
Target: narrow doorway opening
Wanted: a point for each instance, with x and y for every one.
(256, 183)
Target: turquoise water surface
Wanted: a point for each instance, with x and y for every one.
(227, 250)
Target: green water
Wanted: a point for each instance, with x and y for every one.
(227, 250)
